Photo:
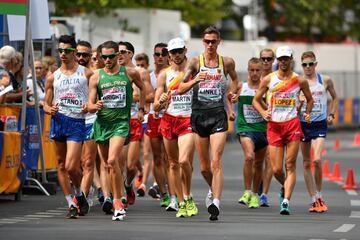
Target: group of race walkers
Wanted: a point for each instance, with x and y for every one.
(99, 99)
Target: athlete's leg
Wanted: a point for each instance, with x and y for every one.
(307, 161)
(249, 153)
(89, 152)
(318, 144)
(267, 174)
(292, 149)
(103, 150)
(186, 151)
(217, 143)
(258, 168)
(158, 166)
(133, 159)
(63, 176)
(202, 149)
(276, 155)
(72, 163)
(147, 159)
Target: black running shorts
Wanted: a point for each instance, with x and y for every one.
(207, 122)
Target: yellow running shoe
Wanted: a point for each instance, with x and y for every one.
(182, 210)
(191, 208)
(254, 201)
(245, 199)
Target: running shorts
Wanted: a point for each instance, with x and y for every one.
(64, 128)
(208, 122)
(281, 133)
(173, 127)
(314, 130)
(89, 128)
(135, 130)
(258, 138)
(103, 132)
(152, 129)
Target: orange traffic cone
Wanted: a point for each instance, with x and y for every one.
(335, 177)
(324, 152)
(337, 144)
(325, 169)
(356, 141)
(350, 183)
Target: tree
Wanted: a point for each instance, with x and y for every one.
(194, 12)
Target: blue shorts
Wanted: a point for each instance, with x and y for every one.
(65, 128)
(259, 139)
(144, 126)
(314, 130)
(88, 129)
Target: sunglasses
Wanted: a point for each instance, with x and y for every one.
(66, 50)
(207, 41)
(123, 51)
(177, 51)
(267, 59)
(83, 54)
(109, 56)
(161, 54)
(308, 64)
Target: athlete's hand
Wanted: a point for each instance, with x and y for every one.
(200, 77)
(141, 116)
(266, 114)
(232, 116)
(330, 120)
(84, 108)
(307, 117)
(53, 109)
(232, 97)
(99, 105)
(163, 98)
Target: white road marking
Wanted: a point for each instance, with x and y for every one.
(352, 192)
(355, 214)
(7, 221)
(38, 216)
(49, 213)
(56, 211)
(345, 228)
(355, 203)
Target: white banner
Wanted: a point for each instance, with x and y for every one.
(40, 22)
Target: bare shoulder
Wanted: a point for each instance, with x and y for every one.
(228, 61)
(143, 72)
(132, 72)
(193, 64)
(50, 78)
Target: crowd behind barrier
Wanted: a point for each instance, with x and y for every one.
(20, 151)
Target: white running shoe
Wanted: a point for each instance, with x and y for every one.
(173, 206)
(90, 196)
(209, 199)
(119, 215)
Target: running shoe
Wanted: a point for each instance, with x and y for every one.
(245, 199)
(281, 195)
(141, 190)
(173, 206)
(209, 199)
(284, 210)
(83, 204)
(90, 196)
(100, 196)
(165, 200)
(107, 206)
(73, 213)
(130, 194)
(138, 179)
(119, 215)
(124, 202)
(153, 192)
(322, 206)
(254, 201)
(314, 207)
(191, 208)
(214, 212)
(182, 211)
(264, 202)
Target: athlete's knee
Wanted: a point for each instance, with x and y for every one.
(112, 162)
(184, 163)
(249, 159)
(216, 164)
(317, 163)
(278, 171)
(290, 167)
(258, 165)
(173, 164)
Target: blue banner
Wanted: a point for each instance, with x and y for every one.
(341, 110)
(355, 111)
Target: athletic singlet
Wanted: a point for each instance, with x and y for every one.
(248, 119)
(282, 97)
(210, 93)
(134, 110)
(116, 93)
(179, 105)
(71, 92)
(153, 80)
(318, 92)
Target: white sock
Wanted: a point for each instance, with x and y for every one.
(313, 199)
(318, 194)
(216, 201)
(286, 200)
(70, 200)
(77, 191)
(173, 198)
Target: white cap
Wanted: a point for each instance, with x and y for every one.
(175, 43)
(283, 51)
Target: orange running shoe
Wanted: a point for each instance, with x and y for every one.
(322, 205)
(138, 179)
(313, 207)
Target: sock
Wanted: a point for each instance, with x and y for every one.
(210, 191)
(248, 191)
(286, 200)
(216, 201)
(127, 184)
(77, 191)
(70, 200)
(318, 194)
(173, 198)
(155, 184)
(313, 199)
(263, 194)
(186, 197)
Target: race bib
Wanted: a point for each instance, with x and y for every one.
(114, 97)
(180, 102)
(251, 115)
(71, 102)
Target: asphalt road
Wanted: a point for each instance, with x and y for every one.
(41, 217)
